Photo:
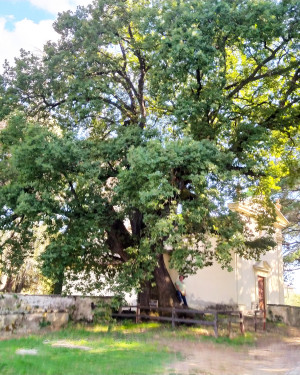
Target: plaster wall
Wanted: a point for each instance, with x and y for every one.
(216, 286)
(270, 267)
(209, 286)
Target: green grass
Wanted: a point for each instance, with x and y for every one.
(110, 353)
(247, 339)
(121, 349)
(207, 334)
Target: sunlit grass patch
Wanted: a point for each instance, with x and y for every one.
(125, 327)
(96, 350)
(133, 327)
(238, 340)
(65, 353)
(98, 328)
(125, 346)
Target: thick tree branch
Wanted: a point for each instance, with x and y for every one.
(293, 86)
(252, 77)
(118, 239)
(245, 171)
(141, 81)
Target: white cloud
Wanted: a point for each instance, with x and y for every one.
(56, 6)
(27, 35)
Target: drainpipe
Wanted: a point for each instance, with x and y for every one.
(236, 278)
(279, 265)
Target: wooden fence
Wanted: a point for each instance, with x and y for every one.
(175, 316)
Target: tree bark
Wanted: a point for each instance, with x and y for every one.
(144, 295)
(165, 287)
(57, 287)
(8, 287)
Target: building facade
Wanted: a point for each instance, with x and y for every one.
(252, 284)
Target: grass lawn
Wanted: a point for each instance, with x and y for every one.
(93, 350)
(86, 351)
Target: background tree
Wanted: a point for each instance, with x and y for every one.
(290, 200)
(289, 197)
(142, 122)
(292, 234)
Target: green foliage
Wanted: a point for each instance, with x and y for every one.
(290, 200)
(154, 115)
(44, 323)
(293, 299)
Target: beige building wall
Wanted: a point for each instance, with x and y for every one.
(271, 268)
(213, 285)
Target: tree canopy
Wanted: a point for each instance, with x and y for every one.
(133, 132)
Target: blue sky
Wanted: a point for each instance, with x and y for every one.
(27, 24)
(17, 10)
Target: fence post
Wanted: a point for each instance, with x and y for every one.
(137, 313)
(173, 317)
(242, 327)
(216, 323)
(229, 326)
(255, 321)
(264, 320)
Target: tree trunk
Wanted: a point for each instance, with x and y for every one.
(57, 287)
(20, 283)
(9, 284)
(144, 295)
(165, 287)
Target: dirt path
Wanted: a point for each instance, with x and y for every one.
(272, 354)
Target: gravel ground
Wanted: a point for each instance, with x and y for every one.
(272, 354)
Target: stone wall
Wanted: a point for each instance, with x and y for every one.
(289, 315)
(27, 313)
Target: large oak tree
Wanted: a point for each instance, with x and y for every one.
(132, 133)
